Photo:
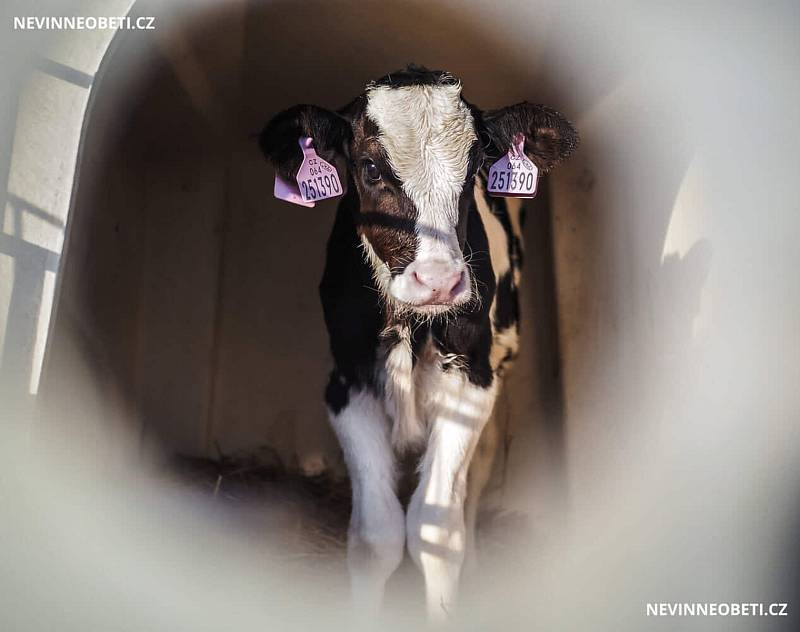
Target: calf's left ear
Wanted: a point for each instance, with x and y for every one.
(279, 140)
(549, 137)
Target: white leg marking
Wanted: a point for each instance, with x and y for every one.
(458, 411)
(377, 531)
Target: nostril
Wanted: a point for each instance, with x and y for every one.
(454, 282)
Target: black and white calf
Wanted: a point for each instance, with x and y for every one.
(420, 301)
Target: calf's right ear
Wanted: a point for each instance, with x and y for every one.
(279, 139)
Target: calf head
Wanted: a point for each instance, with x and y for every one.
(412, 147)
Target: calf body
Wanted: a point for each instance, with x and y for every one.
(407, 380)
(420, 300)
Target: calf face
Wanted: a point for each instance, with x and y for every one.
(412, 146)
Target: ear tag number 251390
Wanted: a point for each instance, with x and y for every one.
(317, 179)
(514, 175)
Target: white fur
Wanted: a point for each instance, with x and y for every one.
(431, 401)
(457, 412)
(401, 393)
(504, 340)
(427, 132)
(496, 234)
(380, 271)
(377, 532)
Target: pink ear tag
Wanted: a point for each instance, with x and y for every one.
(514, 175)
(290, 192)
(317, 179)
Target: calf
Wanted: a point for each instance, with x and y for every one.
(420, 301)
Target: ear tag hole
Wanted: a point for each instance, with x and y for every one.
(316, 179)
(514, 175)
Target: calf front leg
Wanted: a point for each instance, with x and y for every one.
(435, 523)
(377, 530)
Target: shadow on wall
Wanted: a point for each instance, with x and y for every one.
(33, 264)
(28, 267)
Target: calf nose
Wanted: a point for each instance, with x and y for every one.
(441, 278)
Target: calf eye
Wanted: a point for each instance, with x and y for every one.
(371, 171)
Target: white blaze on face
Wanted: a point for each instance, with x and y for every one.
(427, 132)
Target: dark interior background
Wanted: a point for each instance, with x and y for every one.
(193, 290)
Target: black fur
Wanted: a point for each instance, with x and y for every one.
(351, 305)
(414, 75)
(279, 139)
(469, 334)
(337, 393)
(549, 137)
(506, 313)
(361, 328)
